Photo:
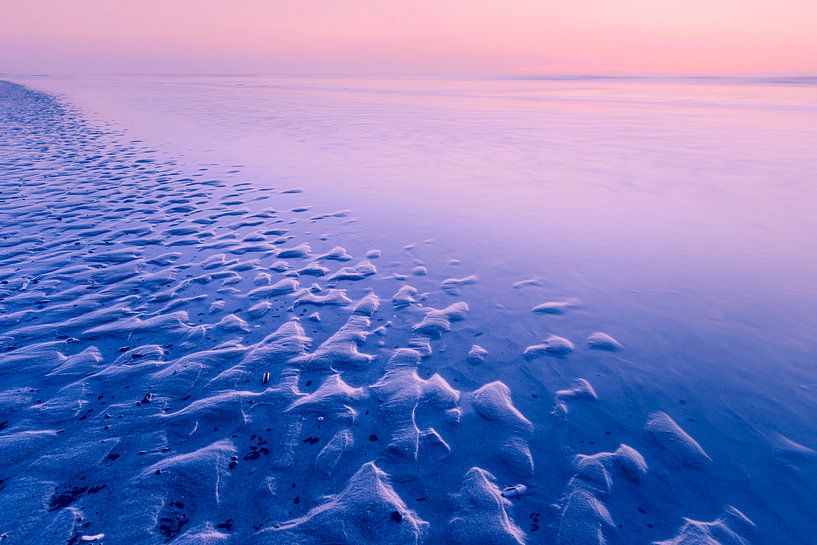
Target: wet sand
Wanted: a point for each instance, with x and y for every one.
(193, 358)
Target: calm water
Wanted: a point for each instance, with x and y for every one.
(678, 214)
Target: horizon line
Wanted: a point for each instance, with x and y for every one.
(555, 76)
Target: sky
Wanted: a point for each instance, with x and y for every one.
(411, 38)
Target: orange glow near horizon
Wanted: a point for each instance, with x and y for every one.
(424, 37)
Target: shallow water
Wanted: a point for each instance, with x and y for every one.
(675, 216)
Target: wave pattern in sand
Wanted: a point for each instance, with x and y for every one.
(178, 367)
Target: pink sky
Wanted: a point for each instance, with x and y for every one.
(419, 37)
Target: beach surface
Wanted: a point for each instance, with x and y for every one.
(288, 310)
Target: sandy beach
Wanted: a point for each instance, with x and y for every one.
(207, 336)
